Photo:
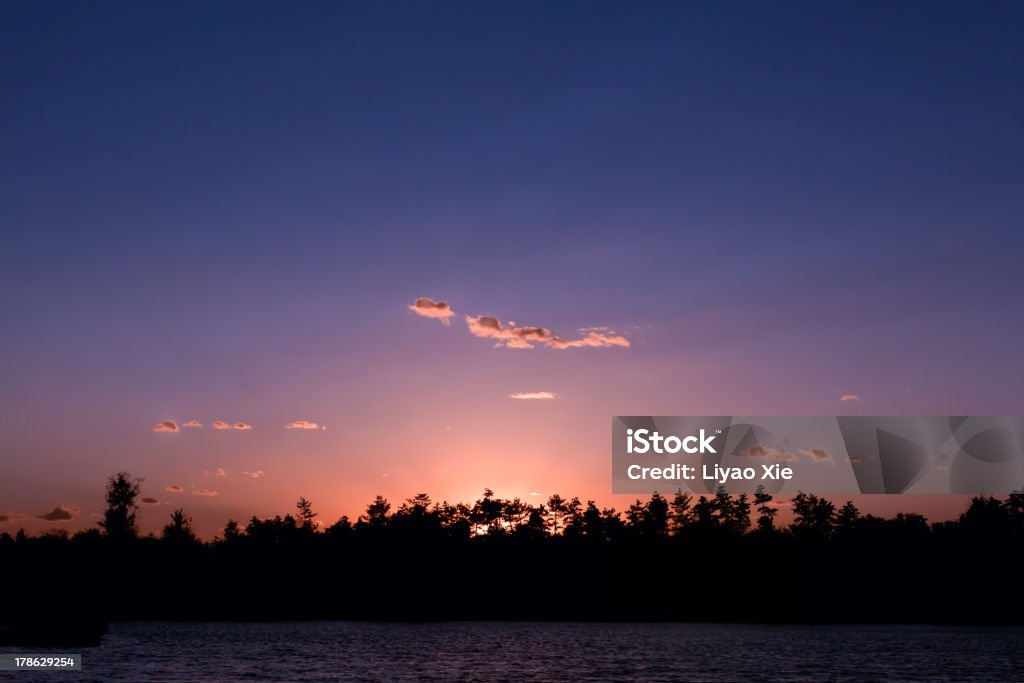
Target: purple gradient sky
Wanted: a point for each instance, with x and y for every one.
(224, 213)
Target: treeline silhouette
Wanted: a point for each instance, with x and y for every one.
(710, 558)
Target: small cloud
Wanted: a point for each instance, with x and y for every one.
(220, 424)
(428, 308)
(531, 395)
(168, 427)
(302, 424)
(850, 397)
(12, 517)
(209, 493)
(61, 513)
(855, 459)
(150, 501)
(221, 472)
(192, 424)
(174, 489)
(253, 475)
(817, 455)
(534, 493)
(769, 453)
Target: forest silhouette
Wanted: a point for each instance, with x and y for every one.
(682, 558)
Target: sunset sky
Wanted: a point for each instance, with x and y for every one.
(227, 213)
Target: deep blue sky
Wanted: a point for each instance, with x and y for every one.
(208, 205)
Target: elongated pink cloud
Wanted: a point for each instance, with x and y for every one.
(174, 489)
(486, 327)
(192, 424)
(302, 424)
(534, 395)
(592, 339)
(850, 397)
(513, 337)
(253, 475)
(428, 308)
(241, 426)
(209, 493)
(166, 427)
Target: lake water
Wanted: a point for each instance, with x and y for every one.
(467, 651)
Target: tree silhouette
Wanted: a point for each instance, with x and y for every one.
(306, 514)
(180, 528)
(376, 513)
(232, 531)
(485, 559)
(813, 515)
(119, 517)
(558, 510)
(765, 513)
(681, 514)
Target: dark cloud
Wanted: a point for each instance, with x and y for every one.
(61, 513)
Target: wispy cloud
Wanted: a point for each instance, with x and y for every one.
(192, 424)
(534, 395)
(61, 513)
(850, 397)
(166, 427)
(302, 424)
(428, 308)
(174, 489)
(209, 493)
(12, 517)
(253, 475)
